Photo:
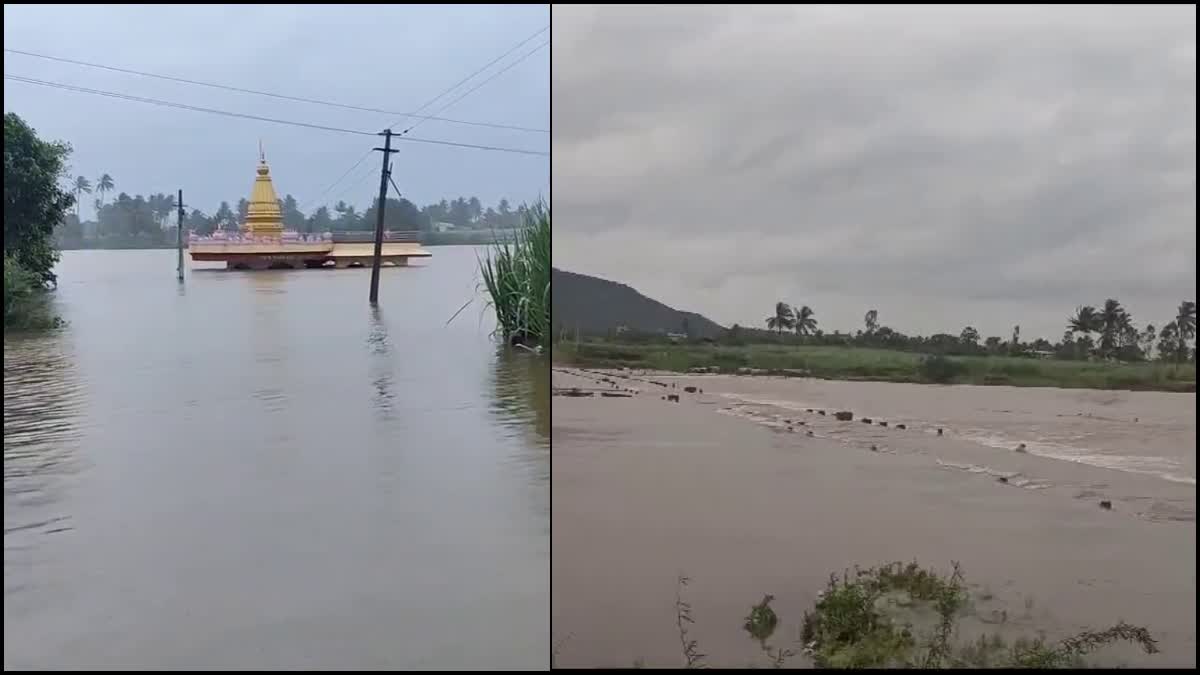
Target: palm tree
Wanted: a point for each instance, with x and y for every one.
(80, 186)
(1169, 342)
(871, 319)
(1185, 326)
(1085, 321)
(154, 201)
(104, 185)
(783, 318)
(1113, 319)
(1146, 340)
(804, 323)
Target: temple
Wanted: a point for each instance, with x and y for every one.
(264, 218)
(263, 243)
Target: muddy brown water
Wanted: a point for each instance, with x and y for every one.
(256, 470)
(717, 486)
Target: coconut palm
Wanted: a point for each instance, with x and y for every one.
(783, 318)
(1185, 326)
(1186, 319)
(1169, 342)
(104, 185)
(80, 186)
(871, 319)
(166, 204)
(1146, 340)
(804, 323)
(1084, 320)
(1113, 320)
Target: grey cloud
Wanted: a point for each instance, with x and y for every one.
(392, 57)
(924, 155)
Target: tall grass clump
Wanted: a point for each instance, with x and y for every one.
(517, 278)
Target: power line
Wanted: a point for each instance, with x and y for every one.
(448, 90)
(456, 85)
(324, 192)
(472, 89)
(257, 92)
(482, 68)
(182, 106)
(353, 185)
(227, 113)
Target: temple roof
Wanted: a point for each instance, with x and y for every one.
(263, 215)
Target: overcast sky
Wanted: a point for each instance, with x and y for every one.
(948, 166)
(390, 57)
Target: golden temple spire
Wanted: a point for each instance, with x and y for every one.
(263, 216)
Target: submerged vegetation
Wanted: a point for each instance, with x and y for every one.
(517, 278)
(26, 302)
(906, 616)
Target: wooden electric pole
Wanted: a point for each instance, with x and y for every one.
(383, 183)
(179, 236)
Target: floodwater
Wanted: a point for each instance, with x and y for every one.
(1148, 433)
(728, 487)
(255, 469)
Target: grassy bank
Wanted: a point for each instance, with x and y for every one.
(516, 275)
(851, 363)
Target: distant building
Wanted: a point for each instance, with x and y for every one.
(444, 227)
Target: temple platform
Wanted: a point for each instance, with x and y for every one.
(258, 255)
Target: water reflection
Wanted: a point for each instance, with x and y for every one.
(42, 403)
(267, 326)
(521, 386)
(383, 398)
(43, 399)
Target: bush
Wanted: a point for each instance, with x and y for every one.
(25, 303)
(941, 369)
(864, 620)
(905, 616)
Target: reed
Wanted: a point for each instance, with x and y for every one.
(516, 275)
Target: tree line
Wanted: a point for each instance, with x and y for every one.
(1116, 335)
(134, 217)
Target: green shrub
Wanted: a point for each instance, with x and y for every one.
(941, 369)
(26, 306)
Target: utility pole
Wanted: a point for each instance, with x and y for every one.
(179, 235)
(383, 183)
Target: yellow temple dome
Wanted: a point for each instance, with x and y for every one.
(263, 216)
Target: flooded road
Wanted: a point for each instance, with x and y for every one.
(257, 470)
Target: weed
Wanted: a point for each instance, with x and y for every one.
(683, 615)
(863, 620)
(517, 278)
